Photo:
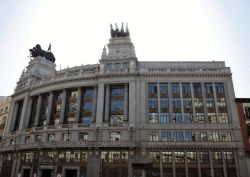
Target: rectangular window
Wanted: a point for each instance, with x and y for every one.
(175, 88)
(115, 136)
(117, 105)
(27, 140)
(212, 117)
(209, 89)
(177, 118)
(66, 137)
(217, 158)
(152, 103)
(219, 89)
(154, 157)
(163, 90)
(204, 157)
(202, 136)
(199, 118)
(166, 136)
(152, 88)
(178, 136)
(188, 118)
(109, 66)
(86, 120)
(247, 112)
(167, 157)
(189, 136)
(213, 136)
(116, 120)
(222, 118)
(83, 136)
(229, 157)
(186, 90)
(226, 136)
(88, 107)
(191, 157)
(38, 138)
(197, 90)
(117, 91)
(153, 136)
(176, 103)
(164, 104)
(187, 105)
(179, 157)
(153, 118)
(164, 118)
(51, 138)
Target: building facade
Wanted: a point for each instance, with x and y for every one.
(124, 118)
(243, 106)
(4, 112)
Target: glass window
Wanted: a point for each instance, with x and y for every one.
(153, 136)
(197, 89)
(38, 138)
(175, 89)
(117, 105)
(117, 91)
(117, 65)
(176, 103)
(187, 104)
(88, 106)
(164, 103)
(83, 136)
(177, 118)
(86, 120)
(202, 136)
(164, 118)
(88, 93)
(125, 65)
(226, 136)
(152, 103)
(109, 66)
(116, 120)
(186, 89)
(189, 136)
(167, 157)
(115, 136)
(51, 138)
(178, 136)
(163, 88)
(66, 137)
(152, 88)
(212, 117)
(166, 136)
(27, 139)
(73, 94)
(191, 157)
(72, 107)
(229, 157)
(219, 88)
(154, 157)
(188, 118)
(199, 118)
(217, 158)
(247, 112)
(153, 117)
(209, 88)
(204, 157)
(222, 118)
(213, 136)
(179, 157)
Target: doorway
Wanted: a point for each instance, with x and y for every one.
(70, 173)
(26, 172)
(46, 173)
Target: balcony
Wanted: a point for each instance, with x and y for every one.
(70, 144)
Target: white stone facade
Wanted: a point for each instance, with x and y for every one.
(103, 120)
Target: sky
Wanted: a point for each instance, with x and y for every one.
(167, 30)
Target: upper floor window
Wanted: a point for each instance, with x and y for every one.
(51, 138)
(152, 88)
(38, 138)
(247, 112)
(175, 88)
(153, 136)
(86, 120)
(117, 91)
(109, 66)
(118, 65)
(219, 88)
(125, 65)
(209, 88)
(186, 89)
(88, 93)
(163, 88)
(27, 139)
(117, 105)
(65, 137)
(197, 89)
(115, 136)
(83, 136)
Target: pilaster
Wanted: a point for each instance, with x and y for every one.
(78, 104)
(50, 105)
(61, 121)
(107, 103)
(38, 109)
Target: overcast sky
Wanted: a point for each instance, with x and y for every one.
(176, 30)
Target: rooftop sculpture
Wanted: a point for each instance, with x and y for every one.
(38, 51)
(119, 33)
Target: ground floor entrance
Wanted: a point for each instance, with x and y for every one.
(70, 173)
(46, 173)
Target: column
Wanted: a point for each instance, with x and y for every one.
(24, 113)
(161, 166)
(132, 103)
(12, 117)
(204, 101)
(94, 104)
(61, 121)
(38, 108)
(186, 163)
(181, 99)
(100, 104)
(173, 163)
(126, 102)
(78, 104)
(50, 106)
(158, 101)
(170, 102)
(192, 95)
(29, 112)
(211, 164)
(224, 164)
(198, 164)
(107, 100)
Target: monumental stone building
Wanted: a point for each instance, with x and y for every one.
(123, 118)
